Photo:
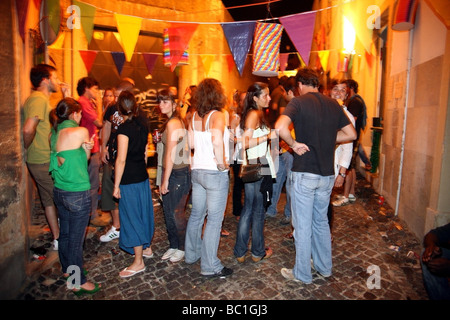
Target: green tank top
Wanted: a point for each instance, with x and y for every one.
(73, 174)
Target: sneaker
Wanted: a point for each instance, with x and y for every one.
(288, 274)
(341, 202)
(267, 255)
(168, 254)
(112, 234)
(225, 272)
(351, 198)
(55, 245)
(177, 256)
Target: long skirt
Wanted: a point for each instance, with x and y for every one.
(136, 216)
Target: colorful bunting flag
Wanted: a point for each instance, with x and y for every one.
(230, 62)
(324, 55)
(59, 42)
(239, 36)
(119, 60)
(88, 57)
(179, 35)
(87, 13)
(356, 13)
(150, 60)
(207, 60)
(300, 29)
(283, 61)
(129, 28)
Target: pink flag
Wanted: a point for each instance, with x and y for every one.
(300, 28)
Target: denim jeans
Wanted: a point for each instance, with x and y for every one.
(284, 169)
(310, 197)
(209, 196)
(94, 178)
(238, 187)
(252, 215)
(174, 205)
(438, 288)
(73, 210)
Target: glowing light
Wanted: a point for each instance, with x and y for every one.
(349, 35)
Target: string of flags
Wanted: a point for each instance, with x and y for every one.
(240, 36)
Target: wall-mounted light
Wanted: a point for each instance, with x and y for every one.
(349, 36)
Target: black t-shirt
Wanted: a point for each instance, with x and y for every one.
(112, 115)
(135, 167)
(316, 119)
(356, 107)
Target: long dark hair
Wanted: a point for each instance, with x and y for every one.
(166, 94)
(63, 110)
(209, 96)
(126, 103)
(255, 90)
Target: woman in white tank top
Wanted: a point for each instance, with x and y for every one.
(255, 137)
(210, 181)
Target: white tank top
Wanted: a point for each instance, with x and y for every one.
(203, 148)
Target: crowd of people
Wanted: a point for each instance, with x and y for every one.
(305, 139)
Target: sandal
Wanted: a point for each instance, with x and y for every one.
(82, 291)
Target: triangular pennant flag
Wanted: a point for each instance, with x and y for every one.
(230, 62)
(54, 14)
(356, 13)
(150, 60)
(324, 55)
(119, 60)
(87, 18)
(239, 37)
(300, 28)
(166, 52)
(179, 36)
(59, 42)
(129, 28)
(37, 4)
(283, 61)
(22, 12)
(88, 57)
(207, 60)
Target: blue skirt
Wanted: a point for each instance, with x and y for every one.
(136, 216)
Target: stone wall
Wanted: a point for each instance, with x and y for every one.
(12, 191)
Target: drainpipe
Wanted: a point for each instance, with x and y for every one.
(408, 74)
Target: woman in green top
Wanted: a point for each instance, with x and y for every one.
(70, 151)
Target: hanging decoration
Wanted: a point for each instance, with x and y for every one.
(184, 60)
(356, 13)
(129, 28)
(230, 62)
(207, 60)
(179, 35)
(239, 37)
(88, 57)
(300, 29)
(87, 18)
(405, 15)
(150, 60)
(266, 49)
(324, 55)
(119, 60)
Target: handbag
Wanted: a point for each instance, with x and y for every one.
(250, 172)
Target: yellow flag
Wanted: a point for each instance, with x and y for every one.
(357, 14)
(129, 28)
(323, 56)
(58, 44)
(207, 60)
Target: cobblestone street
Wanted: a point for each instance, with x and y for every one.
(365, 240)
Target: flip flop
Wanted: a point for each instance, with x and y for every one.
(131, 272)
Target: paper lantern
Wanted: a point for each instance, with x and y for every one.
(168, 47)
(405, 15)
(266, 49)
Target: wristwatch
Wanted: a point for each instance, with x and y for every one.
(343, 175)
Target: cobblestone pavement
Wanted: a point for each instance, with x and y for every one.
(365, 237)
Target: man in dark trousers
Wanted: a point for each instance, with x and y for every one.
(319, 123)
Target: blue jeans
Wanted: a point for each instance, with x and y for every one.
(174, 205)
(73, 210)
(252, 215)
(438, 288)
(284, 169)
(310, 196)
(94, 178)
(209, 196)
